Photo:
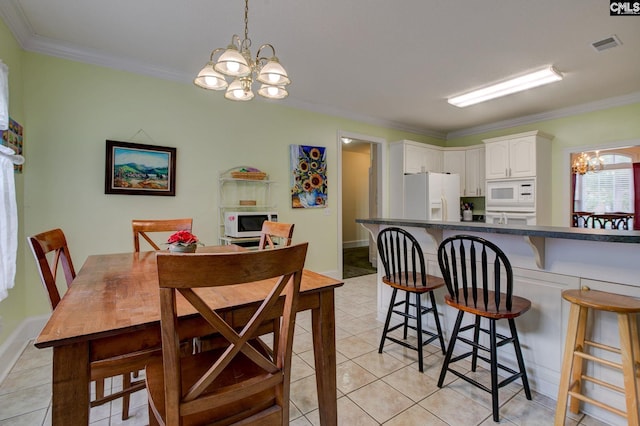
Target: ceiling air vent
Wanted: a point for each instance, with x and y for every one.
(606, 43)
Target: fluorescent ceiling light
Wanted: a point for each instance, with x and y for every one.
(534, 79)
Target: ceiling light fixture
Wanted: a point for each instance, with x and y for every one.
(236, 62)
(585, 164)
(346, 140)
(534, 79)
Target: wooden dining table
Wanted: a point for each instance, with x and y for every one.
(112, 309)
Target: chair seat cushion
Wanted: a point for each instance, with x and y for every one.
(402, 283)
(519, 305)
(193, 368)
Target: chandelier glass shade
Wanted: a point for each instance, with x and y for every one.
(584, 163)
(236, 63)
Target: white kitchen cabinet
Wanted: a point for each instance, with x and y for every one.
(409, 157)
(454, 163)
(474, 173)
(433, 158)
(414, 159)
(517, 156)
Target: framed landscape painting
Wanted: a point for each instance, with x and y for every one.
(136, 169)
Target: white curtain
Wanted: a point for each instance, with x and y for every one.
(4, 96)
(8, 219)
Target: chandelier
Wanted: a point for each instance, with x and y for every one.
(585, 164)
(237, 63)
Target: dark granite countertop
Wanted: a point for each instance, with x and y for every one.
(584, 234)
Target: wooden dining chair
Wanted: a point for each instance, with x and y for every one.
(404, 270)
(142, 227)
(279, 231)
(237, 382)
(53, 244)
(479, 281)
(283, 235)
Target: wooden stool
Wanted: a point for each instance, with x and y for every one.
(575, 352)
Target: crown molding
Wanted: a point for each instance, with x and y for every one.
(67, 51)
(328, 110)
(602, 104)
(14, 17)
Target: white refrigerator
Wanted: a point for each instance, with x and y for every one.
(432, 196)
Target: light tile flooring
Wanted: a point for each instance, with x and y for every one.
(373, 388)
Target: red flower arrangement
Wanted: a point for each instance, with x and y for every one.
(183, 238)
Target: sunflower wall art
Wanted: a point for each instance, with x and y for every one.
(308, 176)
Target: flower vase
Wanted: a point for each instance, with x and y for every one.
(308, 198)
(179, 248)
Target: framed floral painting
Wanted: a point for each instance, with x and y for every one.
(308, 176)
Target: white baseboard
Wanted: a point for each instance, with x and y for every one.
(356, 243)
(12, 348)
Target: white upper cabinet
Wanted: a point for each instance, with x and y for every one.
(517, 156)
(474, 176)
(409, 157)
(454, 163)
(433, 160)
(415, 157)
(497, 160)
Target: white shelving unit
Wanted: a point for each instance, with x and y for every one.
(234, 193)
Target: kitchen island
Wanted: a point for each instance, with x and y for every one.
(546, 260)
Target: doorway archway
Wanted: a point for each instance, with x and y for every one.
(374, 149)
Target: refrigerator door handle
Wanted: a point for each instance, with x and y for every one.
(445, 210)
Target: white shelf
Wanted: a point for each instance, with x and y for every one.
(232, 190)
(238, 207)
(230, 179)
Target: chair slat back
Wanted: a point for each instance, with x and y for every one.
(401, 257)
(188, 274)
(619, 221)
(142, 227)
(271, 230)
(54, 242)
(472, 267)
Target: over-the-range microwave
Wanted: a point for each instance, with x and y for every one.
(511, 195)
(246, 224)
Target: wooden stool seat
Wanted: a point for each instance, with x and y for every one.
(603, 301)
(576, 353)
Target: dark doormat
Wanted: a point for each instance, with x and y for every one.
(355, 262)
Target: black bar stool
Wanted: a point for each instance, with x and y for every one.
(465, 265)
(404, 270)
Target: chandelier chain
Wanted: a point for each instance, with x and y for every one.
(246, 19)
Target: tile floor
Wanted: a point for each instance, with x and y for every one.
(373, 389)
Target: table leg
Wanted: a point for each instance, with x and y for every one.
(324, 349)
(71, 378)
